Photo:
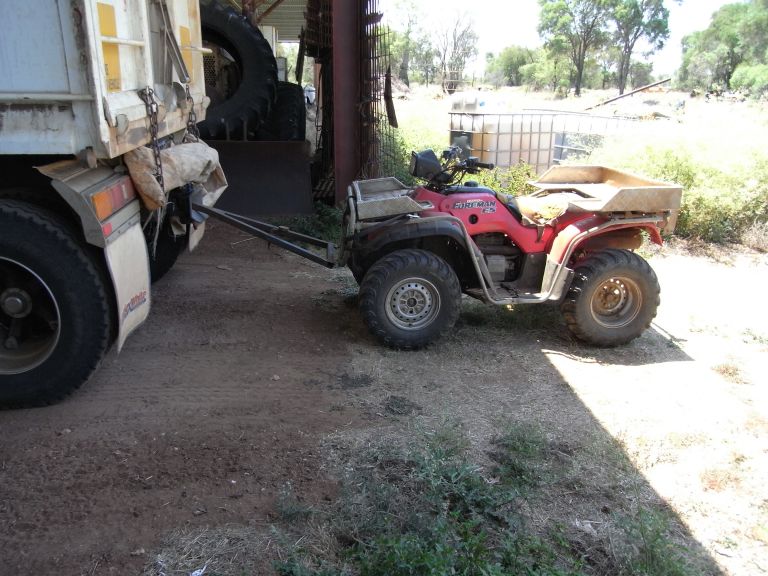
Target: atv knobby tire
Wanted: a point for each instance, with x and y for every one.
(409, 298)
(240, 116)
(288, 122)
(612, 299)
(54, 290)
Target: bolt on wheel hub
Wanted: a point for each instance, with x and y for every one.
(413, 304)
(616, 302)
(16, 303)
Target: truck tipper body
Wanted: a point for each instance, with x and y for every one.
(86, 85)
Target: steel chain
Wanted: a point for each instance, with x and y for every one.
(192, 117)
(147, 95)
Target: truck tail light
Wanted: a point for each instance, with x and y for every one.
(109, 200)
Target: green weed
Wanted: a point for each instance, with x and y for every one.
(512, 180)
(324, 223)
(655, 553)
(429, 510)
(719, 204)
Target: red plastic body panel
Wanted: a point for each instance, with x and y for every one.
(491, 214)
(482, 213)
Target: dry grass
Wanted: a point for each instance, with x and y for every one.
(230, 550)
(756, 236)
(730, 372)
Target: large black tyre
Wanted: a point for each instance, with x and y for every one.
(613, 298)
(57, 295)
(165, 253)
(288, 122)
(242, 113)
(410, 298)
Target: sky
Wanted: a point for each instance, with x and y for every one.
(502, 23)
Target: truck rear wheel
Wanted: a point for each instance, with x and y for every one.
(410, 298)
(54, 312)
(163, 255)
(613, 298)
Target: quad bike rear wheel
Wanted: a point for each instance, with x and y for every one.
(410, 298)
(613, 298)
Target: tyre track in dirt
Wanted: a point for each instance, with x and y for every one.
(208, 412)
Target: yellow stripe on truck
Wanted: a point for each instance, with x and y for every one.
(111, 52)
(186, 53)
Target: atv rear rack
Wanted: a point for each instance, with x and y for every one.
(277, 235)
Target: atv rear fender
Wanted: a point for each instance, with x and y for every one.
(444, 236)
(597, 233)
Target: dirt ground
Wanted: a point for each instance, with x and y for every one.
(254, 364)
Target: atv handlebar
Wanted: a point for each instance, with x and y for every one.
(441, 174)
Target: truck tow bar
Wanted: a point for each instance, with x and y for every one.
(276, 235)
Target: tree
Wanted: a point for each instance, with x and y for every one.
(455, 44)
(580, 23)
(406, 16)
(506, 66)
(551, 68)
(737, 34)
(633, 20)
(640, 74)
(424, 56)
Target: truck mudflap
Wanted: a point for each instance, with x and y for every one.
(106, 203)
(128, 265)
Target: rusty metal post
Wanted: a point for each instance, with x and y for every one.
(346, 93)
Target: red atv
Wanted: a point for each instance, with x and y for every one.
(414, 251)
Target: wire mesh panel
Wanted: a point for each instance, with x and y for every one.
(377, 136)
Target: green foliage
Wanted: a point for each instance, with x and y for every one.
(455, 521)
(655, 553)
(324, 223)
(581, 24)
(505, 69)
(752, 78)
(512, 180)
(737, 35)
(718, 206)
(640, 74)
(455, 46)
(411, 47)
(633, 20)
(427, 510)
(519, 451)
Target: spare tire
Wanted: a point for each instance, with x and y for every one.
(242, 95)
(288, 121)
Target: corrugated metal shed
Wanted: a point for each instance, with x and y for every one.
(285, 15)
(288, 18)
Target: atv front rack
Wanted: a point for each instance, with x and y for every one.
(277, 235)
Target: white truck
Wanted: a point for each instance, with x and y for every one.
(96, 99)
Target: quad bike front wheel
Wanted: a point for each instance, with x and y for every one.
(410, 298)
(613, 298)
